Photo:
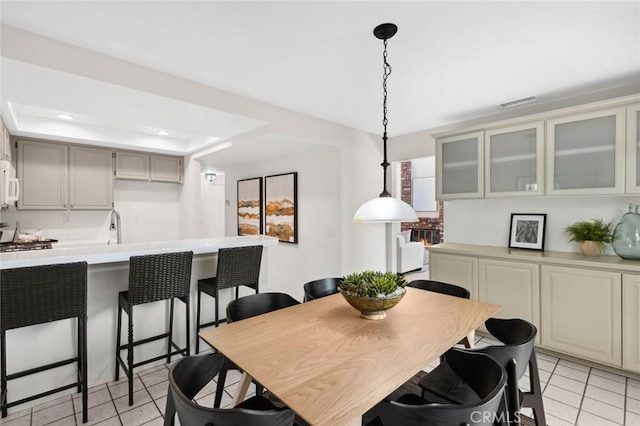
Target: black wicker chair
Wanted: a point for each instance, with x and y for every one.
(37, 295)
(191, 374)
(480, 373)
(515, 355)
(237, 266)
(153, 278)
(320, 288)
(247, 307)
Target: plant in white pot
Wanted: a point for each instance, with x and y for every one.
(591, 234)
(372, 292)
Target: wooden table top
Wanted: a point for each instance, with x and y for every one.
(329, 365)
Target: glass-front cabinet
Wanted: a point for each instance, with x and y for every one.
(514, 160)
(586, 152)
(460, 166)
(633, 149)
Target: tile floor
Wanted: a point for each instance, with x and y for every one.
(574, 394)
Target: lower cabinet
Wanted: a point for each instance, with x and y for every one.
(581, 313)
(454, 269)
(631, 322)
(513, 285)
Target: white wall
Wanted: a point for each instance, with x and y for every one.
(212, 207)
(318, 253)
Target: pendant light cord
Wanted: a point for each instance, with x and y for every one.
(385, 163)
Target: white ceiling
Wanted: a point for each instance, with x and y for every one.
(452, 62)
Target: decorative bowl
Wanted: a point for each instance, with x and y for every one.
(373, 308)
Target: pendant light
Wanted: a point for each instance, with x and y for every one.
(385, 208)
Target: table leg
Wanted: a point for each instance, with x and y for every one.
(470, 342)
(243, 387)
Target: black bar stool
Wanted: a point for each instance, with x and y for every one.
(153, 278)
(237, 266)
(37, 295)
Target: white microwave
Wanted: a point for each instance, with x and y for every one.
(9, 186)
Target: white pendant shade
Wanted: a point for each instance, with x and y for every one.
(385, 209)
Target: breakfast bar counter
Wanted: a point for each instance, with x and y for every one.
(108, 271)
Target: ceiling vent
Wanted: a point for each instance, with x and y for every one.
(517, 102)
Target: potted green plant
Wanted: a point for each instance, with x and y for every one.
(591, 234)
(372, 292)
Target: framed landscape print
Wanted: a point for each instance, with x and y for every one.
(281, 206)
(250, 206)
(527, 231)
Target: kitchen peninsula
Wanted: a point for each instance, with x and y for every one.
(108, 267)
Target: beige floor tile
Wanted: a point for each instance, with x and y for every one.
(94, 398)
(52, 413)
(560, 410)
(554, 421)
(563, 395)
(571, 373)
(574, 365)
(158, 421)
(161, 403)
(15, 413)
(632, 391)
(98, 414)
(603, 410)
(545, 365)
(113, 421)
(567, 383)
(154, 369)
(140, 397)
(633, 405)
(608, 375)
(67, 421)
(158, 390)
(633, 382)
(607, 384)
(140, 415)
(605, 396)
(156, 377)
(16, 421)
(547, 357)
(52, 403)
(121, 387)
(631, 419)
(588, 419)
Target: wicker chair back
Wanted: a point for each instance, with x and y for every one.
(159, 277)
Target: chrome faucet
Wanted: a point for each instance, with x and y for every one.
(115, 225)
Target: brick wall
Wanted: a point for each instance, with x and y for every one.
(425, 222)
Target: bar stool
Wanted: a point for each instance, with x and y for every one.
(237, 266)
(153, 278)
(42, 294)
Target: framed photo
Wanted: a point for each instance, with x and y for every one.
(281, 206)
(527, 231)
(250, 206)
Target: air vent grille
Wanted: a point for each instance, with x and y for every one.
(517, 102)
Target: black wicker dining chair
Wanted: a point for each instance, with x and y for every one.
(38, 295)
(189, 375)
(237, 266)
(153, 278)
(320, 288)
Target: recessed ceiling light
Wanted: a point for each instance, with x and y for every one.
(64, 116)
(162, 133)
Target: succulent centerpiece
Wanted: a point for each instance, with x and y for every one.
(372, 292)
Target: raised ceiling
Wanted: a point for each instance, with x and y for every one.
(452, 62)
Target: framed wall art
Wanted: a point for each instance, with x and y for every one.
(281, 206)
(527, 231)
(250, 206)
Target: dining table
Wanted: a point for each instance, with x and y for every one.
(329, 365)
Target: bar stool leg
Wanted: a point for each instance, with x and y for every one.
(216, 313)
(169, 347)
(3, 372)
(198, 323)
(186, 307)
(85, 390)
(118, 341)
(130, 357)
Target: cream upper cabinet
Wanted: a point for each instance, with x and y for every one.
(633, 149)
(513, 285)
(586, 152)
(631, 322)
(460, 166)
(131, 165)
(581, 313)
(42, 172)
(166, 169)
(453, 269)
(90, 178)
(514, 160)
(5, 142)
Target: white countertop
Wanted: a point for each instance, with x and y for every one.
(103, 253)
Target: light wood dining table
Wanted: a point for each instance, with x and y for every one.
(329, 365)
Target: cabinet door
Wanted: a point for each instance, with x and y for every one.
(166, 169)
(633, 149)
(631, 322)
(585, 153)
(514, 160)
(90, 178)
(513, 285)
(460, 166)
(453, 269)
(132, 165)
(5, 146)
(42, 172)
(581, 313)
